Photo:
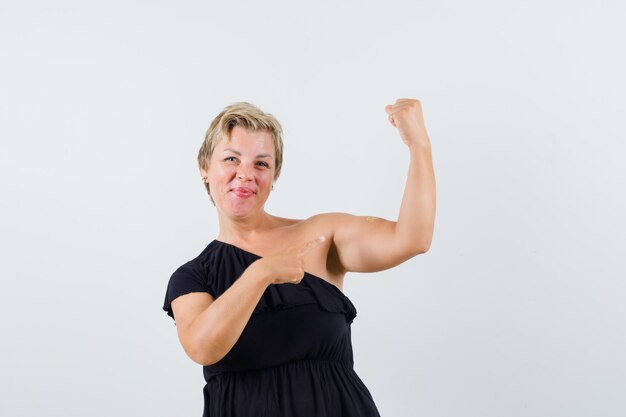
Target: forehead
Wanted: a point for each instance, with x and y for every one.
(246, 141)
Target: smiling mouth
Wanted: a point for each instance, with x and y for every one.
(239, 192)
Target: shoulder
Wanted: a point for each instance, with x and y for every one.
(332, 225)
(317, 224)
(329, 224)
(202, 262)
(327, 219)
(196, 272)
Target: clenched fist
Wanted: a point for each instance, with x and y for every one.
(406, 115)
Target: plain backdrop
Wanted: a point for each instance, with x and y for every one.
(516, 310)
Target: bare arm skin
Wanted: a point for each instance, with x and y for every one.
(208, 328)
(369, 244)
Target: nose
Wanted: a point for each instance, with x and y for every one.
(243, 172)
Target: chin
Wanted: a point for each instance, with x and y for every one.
(241, 209)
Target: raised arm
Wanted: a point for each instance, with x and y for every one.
(369, 244)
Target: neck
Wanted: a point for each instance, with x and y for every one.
(245, 229)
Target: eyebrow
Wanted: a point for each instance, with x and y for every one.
(263, 155)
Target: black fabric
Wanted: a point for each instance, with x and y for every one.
(293, 358)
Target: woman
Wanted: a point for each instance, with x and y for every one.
(269, 347)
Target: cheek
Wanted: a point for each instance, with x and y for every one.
(268, 178)
(224, 171)
(220, 178)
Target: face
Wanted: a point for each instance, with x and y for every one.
(241, 171)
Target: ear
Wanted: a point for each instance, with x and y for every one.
(204, 172)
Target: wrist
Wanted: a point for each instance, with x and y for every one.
(260, 273)
(420, 148)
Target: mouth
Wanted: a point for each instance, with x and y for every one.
(243, 192)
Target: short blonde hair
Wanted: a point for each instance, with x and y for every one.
(245, 115)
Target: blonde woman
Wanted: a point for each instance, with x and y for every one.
(262, 306)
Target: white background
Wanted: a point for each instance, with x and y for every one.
(516, 310)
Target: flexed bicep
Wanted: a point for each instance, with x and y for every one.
(368, 243)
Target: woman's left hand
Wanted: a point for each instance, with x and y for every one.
(406, 115)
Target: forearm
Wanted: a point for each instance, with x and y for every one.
(416, 220)
(216, 330)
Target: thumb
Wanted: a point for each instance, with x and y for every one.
(311, 244)
(388, 108)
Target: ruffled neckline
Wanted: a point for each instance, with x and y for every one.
(343, 305)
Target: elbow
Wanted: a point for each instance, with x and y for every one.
(204, 361)
(203, 347)
(202, 357)
(413, 244)
(411, 250)
(424, 245)
(421, 248)
(202, 354)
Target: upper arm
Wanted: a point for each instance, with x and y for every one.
(187, 308)
(369, 244)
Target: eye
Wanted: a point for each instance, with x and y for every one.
(265, 164)
(229, 158)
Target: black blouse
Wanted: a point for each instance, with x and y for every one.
(294, 357)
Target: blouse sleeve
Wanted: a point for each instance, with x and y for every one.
(186, 279)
